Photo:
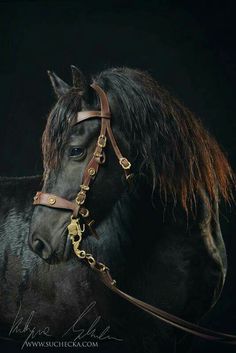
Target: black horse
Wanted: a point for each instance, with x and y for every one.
(160, 236)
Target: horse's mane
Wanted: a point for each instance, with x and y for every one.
(173, 150)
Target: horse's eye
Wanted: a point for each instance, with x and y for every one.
(77, 152)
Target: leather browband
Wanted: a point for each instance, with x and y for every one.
(88, 114)
(85, 115)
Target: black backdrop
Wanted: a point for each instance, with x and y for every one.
(189, 48)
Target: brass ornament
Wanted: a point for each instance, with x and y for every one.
(75, 232)
(51, 200)
(91, 171)
(80, 198)
(102, 140)
(73, 227)
(84, 187)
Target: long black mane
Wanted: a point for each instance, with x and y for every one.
(170, 147)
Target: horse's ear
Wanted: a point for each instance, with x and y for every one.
(79, 80)
(82, 84)
(60, 87)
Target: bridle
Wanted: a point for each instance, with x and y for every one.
(92, 167)
(77, 208)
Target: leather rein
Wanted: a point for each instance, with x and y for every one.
(77, 208)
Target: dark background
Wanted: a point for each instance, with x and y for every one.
(188, 47)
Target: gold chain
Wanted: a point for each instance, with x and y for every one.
(75, 233)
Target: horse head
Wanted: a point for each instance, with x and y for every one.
(68, 146)
(172, 156)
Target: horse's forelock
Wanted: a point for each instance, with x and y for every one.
(57, 129)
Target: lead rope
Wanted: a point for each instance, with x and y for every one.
(75, 233)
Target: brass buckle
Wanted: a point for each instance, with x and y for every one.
(102, 140)
(125, 164)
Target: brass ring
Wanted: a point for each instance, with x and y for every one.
(86, 212)
(81, 254)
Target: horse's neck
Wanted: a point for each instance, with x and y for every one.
(124, 231)
(16, 207)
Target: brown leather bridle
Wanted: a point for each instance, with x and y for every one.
(92, 167)
(77, 208)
